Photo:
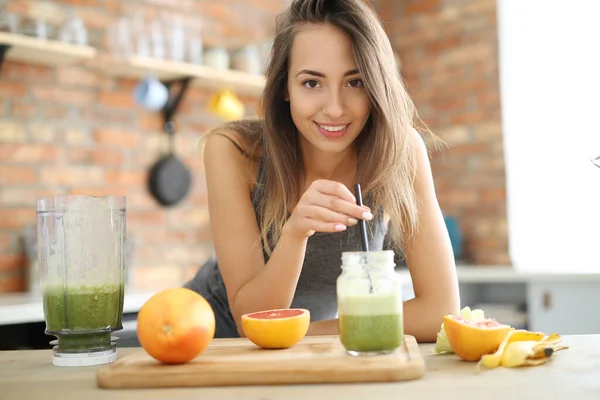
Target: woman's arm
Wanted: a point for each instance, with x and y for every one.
(251, 284)
(430, 260)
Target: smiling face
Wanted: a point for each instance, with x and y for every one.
(328, 102)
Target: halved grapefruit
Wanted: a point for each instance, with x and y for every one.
(276, 329)
(441, 344)
(470, 339)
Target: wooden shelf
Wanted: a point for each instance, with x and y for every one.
(43, 52)
(139, 67)
(55, 53)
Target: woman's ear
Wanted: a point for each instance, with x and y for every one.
(286, 96)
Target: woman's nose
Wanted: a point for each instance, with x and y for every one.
(334, 107)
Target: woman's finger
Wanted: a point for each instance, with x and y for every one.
(333, 188)
(339, 206)
(327, 215)
(322, 226)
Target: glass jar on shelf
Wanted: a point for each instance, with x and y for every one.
(370, 308)
(9, 22)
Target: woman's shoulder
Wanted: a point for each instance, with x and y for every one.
(245, 135)
(236, 144)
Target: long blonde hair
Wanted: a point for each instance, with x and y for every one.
(385, 147)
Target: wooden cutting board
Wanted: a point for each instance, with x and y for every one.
(233, 362)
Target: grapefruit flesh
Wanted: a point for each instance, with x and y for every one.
(441, 344)
(276, 329)
(175, 325)
(470, 339)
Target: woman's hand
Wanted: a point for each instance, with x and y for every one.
(326, 206)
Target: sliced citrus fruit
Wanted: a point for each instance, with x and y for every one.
(276, 329)
(471, 339)
(175, 325)
(441, 344)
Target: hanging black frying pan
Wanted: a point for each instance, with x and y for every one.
(169, 179)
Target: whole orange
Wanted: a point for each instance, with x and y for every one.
(175, 325)
(470, 340)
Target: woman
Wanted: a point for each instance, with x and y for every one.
(281, 208)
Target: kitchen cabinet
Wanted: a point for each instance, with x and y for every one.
(567, 308)
(547, 302)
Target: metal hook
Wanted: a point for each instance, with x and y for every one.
(4, 48)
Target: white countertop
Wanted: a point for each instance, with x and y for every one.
(18, 308)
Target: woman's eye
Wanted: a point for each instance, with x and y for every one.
(355, 83)
(311, 84)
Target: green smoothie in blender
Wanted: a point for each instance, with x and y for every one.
(83, 308)
(81, 242)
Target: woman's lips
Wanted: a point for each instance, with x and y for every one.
(332, 131)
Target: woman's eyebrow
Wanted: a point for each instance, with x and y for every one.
(322, 75)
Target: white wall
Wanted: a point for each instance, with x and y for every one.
(550, 88)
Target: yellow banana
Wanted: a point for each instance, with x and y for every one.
(517, 353)
(523, 348)
(493, 360)
(527, 353)
(548, 346)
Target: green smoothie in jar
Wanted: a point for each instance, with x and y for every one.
(371, 323)
(370, 304)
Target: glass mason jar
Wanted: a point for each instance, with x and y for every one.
(369, 295)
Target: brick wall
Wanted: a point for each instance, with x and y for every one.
(74, 130)
(448, 50)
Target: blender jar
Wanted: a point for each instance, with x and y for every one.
(370, 309)
(81, 250)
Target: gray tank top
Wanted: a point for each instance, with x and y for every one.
(316, 289)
